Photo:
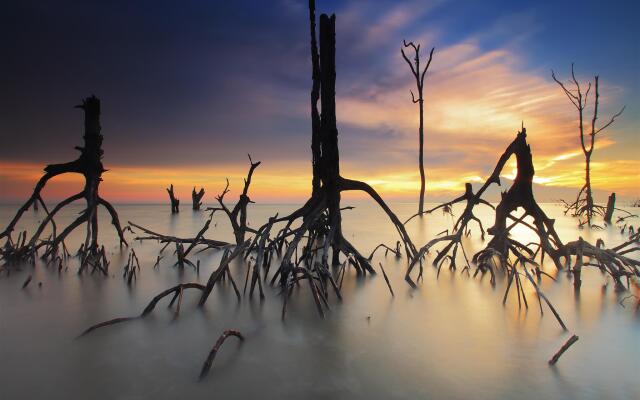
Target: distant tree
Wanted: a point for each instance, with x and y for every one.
(175, 202)
(584, 206)
(196, 198)
(419, 77)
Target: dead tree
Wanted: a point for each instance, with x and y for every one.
(454, 239)
(88, 164)
(196, 198)
(419, 78)
(505, 253)
(319, 219)
(238, 215)
(175, 202)
(584, 205)
(237, 218)
(611, 205)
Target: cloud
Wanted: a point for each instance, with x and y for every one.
(186, 94)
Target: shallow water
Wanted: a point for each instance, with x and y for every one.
(451, 339)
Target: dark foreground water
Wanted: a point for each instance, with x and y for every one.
(451, 339)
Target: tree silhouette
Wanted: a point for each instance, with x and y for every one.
(196, 198)
(88, 164)
(584, 206)
(504, 252)
(175, 202)
(320, 217)
(419, 77)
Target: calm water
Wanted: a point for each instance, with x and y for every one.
(450, 339)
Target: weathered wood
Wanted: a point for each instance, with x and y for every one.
(320, 216)
(386, 279)
(148, 309)
(175, 202)
(562, 349)
(611, 204)
(88, 164)
(216, 347)
(196, 198)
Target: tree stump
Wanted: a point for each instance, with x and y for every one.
(175, 202)
(196, 198)
(611, 204)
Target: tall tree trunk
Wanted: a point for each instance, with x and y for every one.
(330, 160)
(421, 154)
(589, 195)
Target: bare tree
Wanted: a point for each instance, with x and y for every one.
(88, 164)
(584, 206)
(419, 77)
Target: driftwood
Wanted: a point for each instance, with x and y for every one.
(562, 349)
(196, 198)
(216, 347)
(307, 246)
(88, 164)
(175, 202)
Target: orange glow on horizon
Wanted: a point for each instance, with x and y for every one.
(147, 184)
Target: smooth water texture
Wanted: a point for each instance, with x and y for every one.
(450, 339)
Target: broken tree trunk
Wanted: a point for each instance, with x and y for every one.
(89, 164)
(521, 195)
(196, 198)
(505, 253)
(320, 217)
(611, 204)
(175, 202)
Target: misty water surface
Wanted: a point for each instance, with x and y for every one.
(450, 339)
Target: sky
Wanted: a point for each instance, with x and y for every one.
(189, 88)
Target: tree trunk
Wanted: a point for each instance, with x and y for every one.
(421, 155)
(175, 202)
(196, 198)
(589, 196)
(611, 204)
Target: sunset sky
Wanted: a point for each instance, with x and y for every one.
(189, 88)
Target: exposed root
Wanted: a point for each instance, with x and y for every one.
(386, 279)
(149, 308)
(88, 164)
(562, 349)
(133, 265)
(216, 347)
(313, 233)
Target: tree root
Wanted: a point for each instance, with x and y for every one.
(216, 347)
(89, 164)
(177, 290)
